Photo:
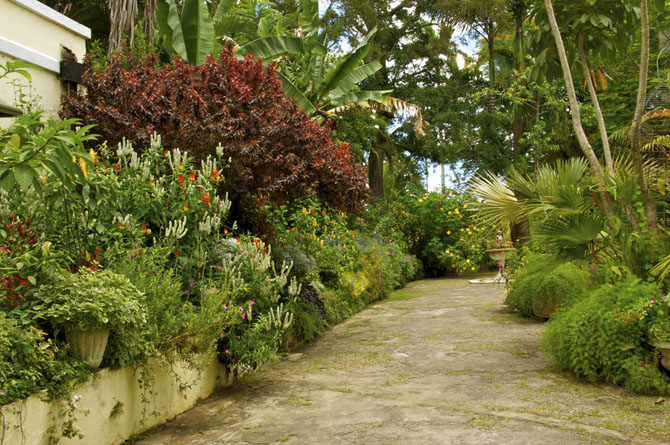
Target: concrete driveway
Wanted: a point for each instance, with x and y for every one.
(442, 363)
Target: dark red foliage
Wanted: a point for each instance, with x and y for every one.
(278, 153)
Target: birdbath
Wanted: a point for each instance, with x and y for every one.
(499, 255)
(664, 347)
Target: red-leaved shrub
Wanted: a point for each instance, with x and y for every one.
(277, 153)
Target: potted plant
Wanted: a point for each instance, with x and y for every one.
(87, 305)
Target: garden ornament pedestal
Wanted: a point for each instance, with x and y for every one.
(499, 255)
(664, 347)
(88, 345)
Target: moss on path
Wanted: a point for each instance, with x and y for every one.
(438, 362)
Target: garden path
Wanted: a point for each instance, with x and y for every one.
(440, 363)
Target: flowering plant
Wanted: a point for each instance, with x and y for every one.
(88, 299)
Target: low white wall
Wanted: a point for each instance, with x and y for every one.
(113, 400)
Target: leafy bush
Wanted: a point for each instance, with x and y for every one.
(606, 336)
(276, 152)
(90, 299)
(438, 228)
(543, 284)
(30, 362)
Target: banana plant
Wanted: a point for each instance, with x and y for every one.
(189, 34)
(319, 81)
(246, 20)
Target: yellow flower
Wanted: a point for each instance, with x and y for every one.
(467, 261)
(465, 206)
(473, 268)
(304, 211)
(92, 154)
(44, 179)
(441, 209)
(462, 230)
(74, 159)
(420, 200)
(314, 223)
(82, 164)
(47, 245)
(449, 212)
(448, 232)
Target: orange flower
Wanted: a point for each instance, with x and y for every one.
(176, 254)
(214, 174)
(180, 179)
(323, 212)
(191, 176)
(185, 206)
(145, 229)
(205, 198)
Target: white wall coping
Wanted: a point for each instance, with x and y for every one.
(54, 16)
(22, 52)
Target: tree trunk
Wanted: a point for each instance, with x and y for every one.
(636, 149)
(492, 69)
(609, 167)
(376, 174)
(519, 122)
(576, 116)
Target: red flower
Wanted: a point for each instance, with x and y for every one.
(214, 174)
(116, 167)
(257, 242)
(180, 179)
(191, 176)
(176, 254)
(205, 198)
(145, 229)
(98, 250)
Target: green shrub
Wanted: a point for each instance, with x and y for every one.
(30, 362)
(542, 284)
(605, 336)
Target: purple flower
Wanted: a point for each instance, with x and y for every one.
(191, 284)
(653, 300)
(217, 319)
(251, 303)
(241, 309)
(227, 351)
(244, 316)
(221, 334)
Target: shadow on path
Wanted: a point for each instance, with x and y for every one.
(444, 365)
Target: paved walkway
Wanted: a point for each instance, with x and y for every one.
(447, 367)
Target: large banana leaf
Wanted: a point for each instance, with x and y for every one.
(354, 78)
(345, 66)
(198, 31)
(169, 26)
(310, 15)
(270, 48)
(294, 92)
(231, 24)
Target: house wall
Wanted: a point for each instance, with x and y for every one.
(33, 32)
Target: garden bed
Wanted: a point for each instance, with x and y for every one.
(113, 406)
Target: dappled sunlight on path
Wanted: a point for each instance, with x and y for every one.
(440, 363)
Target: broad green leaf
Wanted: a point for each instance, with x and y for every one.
(7, 181)
(198, 31)
(231, 24)
(169, 26)
(294, 92)
(32, 280)
(270, 48)
(54, 166)
(24, 175)
(15, 140)
(310, 15)
(354, 78)
(345, 66)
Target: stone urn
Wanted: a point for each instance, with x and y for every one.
(498, 255)
(88, 345)
(664, 348)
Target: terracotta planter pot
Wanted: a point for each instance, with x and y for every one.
(88, 345)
